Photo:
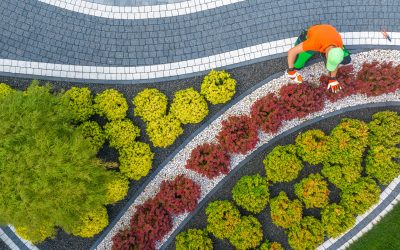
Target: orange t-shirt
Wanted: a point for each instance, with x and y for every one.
(320, 37)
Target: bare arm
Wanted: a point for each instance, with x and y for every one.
(292, 53)
(333, 73)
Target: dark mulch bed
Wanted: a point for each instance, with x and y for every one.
(246, 77)
(255, 165)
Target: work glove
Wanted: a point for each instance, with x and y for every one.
(334, 85)
(294, 75)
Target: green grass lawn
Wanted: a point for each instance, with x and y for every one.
(384, 236)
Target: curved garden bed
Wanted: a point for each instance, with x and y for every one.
(255, 165)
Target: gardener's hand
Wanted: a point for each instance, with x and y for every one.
(294, 75)
(334, 85)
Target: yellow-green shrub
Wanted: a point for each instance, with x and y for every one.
(336, 220)
(121, 133)
(111, 104)
(193, 239)
(284, 212)
(342, 175)
(384, 129)
(150, 104)
(164, 131)
(270, 246)
(381, 163)
(136, 160)
(36, 235)
(312, 146)
(313, 191)
(218, 87)
(92, 223)
(247, 234)
(189, 106)
(222, 218)
(309, 234)
(117, 189)
(5, 89)
(80, 102)
(92, 131)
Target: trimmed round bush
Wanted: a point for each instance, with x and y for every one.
(384, 129)
(381, 163)
(342, 175)
(92, 131)
(360, 196)
(282, 164)
(189, 106)
(179, 195)
(336, 220)
(194, 239)
(5, 90)
(270, 246)
(313, 191)
(92, 223)
(284, 212)
(111, 104)
(117, 189)
(238, 135)
(80, 102)
(150, 104)
(309, 234)
(136, 160)
(222, 218)
(121, 133)
(218, 87)
(312, 146)
(248, 233)
(164, 131)
(251, 193)
(209, 160)
(36, 235)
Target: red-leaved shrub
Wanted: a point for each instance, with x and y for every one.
(124, 239)
(301, 99)
(209, 160)
(149, 224)
(268, 113)
(178, 195)
(238, 134)
(345, 76)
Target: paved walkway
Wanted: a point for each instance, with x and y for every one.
(58, 42)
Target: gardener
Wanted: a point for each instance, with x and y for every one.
(324, 39)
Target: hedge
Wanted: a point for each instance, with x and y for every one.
(194, 239)
(189, 106)
(248, 233)
(218, 87)
(313, 191)
(150, 104)
(284, 212)
(222, 218)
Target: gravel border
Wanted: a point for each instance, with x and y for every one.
(176, 165)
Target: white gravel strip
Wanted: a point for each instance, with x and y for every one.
(177, 164)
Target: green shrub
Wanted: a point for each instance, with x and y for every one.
(117, 189)
(218, 87)
(248, 233)
(189, 106)
(313, 191)
(194, 239)
(136, 160)
(80, 102)
(384, 129)
(342, 175)
(360, 196)
(111, 104)
(121, 133)
(309, 234)
(271, 246)
(45, 162)
(222, 218)
(312, 146)
(282, 164)
(164, 131)
(36, 235)
(92, 131)
(92, 223)
(251, 193)
(336, 220)
(150, 104)
(5, 89)
(381, 163)
(284, 212)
